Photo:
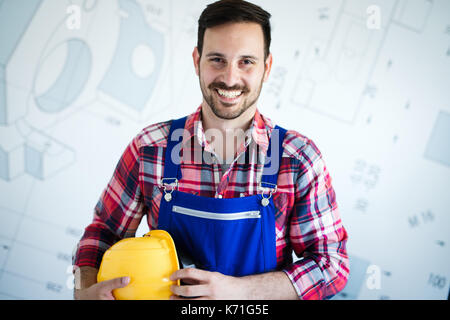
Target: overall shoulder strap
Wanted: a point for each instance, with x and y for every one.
(273, 158)
(172, 156)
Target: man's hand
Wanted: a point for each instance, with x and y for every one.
(202, 285)
(206, 285)
(101, 290)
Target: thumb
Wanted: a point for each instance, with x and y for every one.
(115, 283)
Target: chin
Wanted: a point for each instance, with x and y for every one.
(229, 113)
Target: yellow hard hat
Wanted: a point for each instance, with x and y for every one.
(148, 261)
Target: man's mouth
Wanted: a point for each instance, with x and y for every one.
(229, 94)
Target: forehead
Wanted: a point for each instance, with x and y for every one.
(235, 39)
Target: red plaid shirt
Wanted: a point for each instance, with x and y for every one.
(307, 217)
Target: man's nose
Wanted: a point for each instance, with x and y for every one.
(231, 75)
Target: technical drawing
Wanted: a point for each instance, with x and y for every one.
(137, 62)
(24, 273)
(353, 50)
(374, 101)
(11, 219)
(50, 85)
(22, 148)
(68, 64)
(341, 65)
(44, 156)
(413, 14)
(25, 149)
(437, 148)
(72, 79)
(15, 16)
(11, 153)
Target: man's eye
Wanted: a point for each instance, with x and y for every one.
(217, 60)
(247, 62)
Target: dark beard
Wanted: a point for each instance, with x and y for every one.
(223, 114)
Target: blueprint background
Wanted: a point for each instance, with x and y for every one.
(376, 102)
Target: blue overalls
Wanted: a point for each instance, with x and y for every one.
(236, 236)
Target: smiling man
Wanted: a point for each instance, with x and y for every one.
(233, 68)
(264, 195)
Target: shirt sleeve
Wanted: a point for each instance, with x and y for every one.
(316, 232)
(117, 213)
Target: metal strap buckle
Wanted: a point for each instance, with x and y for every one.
(168, 194)
(273, 187)
(265, 200)
(165, 184)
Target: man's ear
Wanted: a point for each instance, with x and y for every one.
(268, 66)
(196, 57)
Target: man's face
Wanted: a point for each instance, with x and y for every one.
(232, 68)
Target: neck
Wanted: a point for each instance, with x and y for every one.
(232, 131)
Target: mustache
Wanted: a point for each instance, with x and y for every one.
(223, 86)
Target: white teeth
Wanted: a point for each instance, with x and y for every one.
(229, 94)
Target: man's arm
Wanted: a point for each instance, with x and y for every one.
(117, 216)
(216, 286)
(85, 277)
(87, 288)
(269, 286)
(316, 232)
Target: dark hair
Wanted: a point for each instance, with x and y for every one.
(226, 11)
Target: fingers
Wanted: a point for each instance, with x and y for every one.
(192, 274)
(201, 289)
(112, 284)
(193, 291)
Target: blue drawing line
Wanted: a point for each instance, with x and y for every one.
(71, 80)
(120, 82)
(15, 17)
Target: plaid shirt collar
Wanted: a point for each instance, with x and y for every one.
(259, 131)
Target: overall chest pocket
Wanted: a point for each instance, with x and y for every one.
(217, 216)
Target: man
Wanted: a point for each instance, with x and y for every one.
(271, 209)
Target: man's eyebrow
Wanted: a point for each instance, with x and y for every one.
(249, 57)
(217, 54)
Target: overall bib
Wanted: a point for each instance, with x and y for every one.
(236, 236)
